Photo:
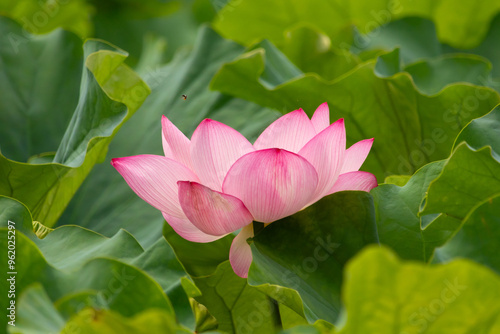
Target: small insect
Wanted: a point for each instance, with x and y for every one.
(184, 96)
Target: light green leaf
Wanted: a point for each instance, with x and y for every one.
(432, 65)
(385, 295)
(109, 322)
(237, 20)
(399, 180)
(399, 225)
(468, 178)
(40, 17)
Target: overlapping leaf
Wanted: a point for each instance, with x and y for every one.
(109, 94)
(78, 268)
(237, 307)
(398, 221)
(476, 197)
(237, 19)
(422, 128)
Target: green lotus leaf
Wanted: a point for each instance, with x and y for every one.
(399, 225)
(478, 237)
(37, 115)
(383, 294)
(37, 314)
(468, 178)
(40, 17)
(422, 127)
(79, 268)
(311, 247)
(237, 19)
(482, 132)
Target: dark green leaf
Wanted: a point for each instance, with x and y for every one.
(468, 178)
(478, 238)
(238, 307)
(311, 247)
(109, 94)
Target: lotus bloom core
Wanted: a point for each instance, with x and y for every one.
(218, 182)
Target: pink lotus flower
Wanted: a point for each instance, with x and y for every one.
(219, 182)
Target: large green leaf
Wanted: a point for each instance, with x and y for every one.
(105, 203)
(237, 19)
(44, 16)
(431, 64)
(109, 322)
(79, 268)
(478, 237)
(471, 174)
(85, 245)
(36, 112)
(398, 222)
(384, 295)
(109, 94)
(422, 127)
(237, 307)
(415, 236)
(311, 247)
(38, 315)
(484, 131)
(468, 178)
